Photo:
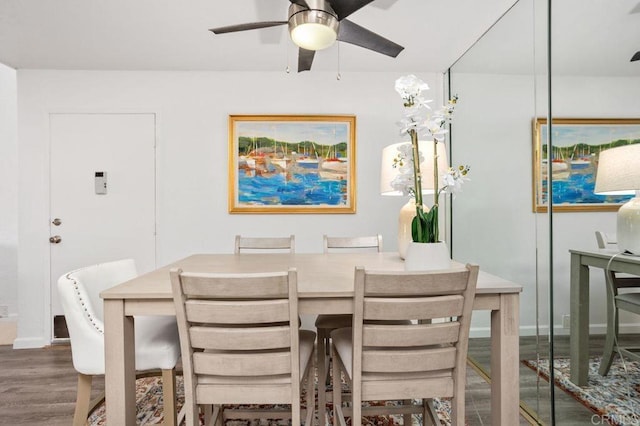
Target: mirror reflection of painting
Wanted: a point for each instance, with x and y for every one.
(577, 144)
(292, 164)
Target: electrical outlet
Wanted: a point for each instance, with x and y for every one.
(566, 321)
(4, 311)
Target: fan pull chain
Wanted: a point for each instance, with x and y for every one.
(338, 76)
(287, 48)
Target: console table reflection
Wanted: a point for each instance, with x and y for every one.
(325, 286)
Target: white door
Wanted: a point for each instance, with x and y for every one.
(102, 192)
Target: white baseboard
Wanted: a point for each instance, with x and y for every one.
(30, 343)
(478, 332)
(530, 330)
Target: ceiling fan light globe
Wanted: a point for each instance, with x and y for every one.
(315, 28)
(312, 36)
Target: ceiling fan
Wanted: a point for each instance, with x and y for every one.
(317, 24)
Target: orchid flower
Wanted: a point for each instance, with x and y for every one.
(417, 121)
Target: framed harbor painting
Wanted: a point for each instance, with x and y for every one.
(573, 162)
(292, 163)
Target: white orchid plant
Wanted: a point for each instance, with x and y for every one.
(419, 121)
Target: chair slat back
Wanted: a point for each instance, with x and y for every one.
(264, 244)
(419, 335)
(237, 312)
(373, 242)
(439, 305)
(238, 365)
(235, 286)
(409, 361)
(606, 241)
(243, 325)
(379, 308)
(388, 283)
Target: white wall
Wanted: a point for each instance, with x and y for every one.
(494, 224)
(8, 202)
(492, 220)
(193, 109)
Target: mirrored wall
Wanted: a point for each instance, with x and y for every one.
(511, 78)
(501, 83)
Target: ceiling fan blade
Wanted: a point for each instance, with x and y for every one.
(344, 8)
(305, 59)
(302, 3)
(636, 57)
(360, 36)
(245, 27)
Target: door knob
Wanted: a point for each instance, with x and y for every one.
(57, 222)
(55, 239)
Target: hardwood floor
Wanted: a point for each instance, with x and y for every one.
(38, 386)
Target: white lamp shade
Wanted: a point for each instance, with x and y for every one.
(619, 174)
(388, 172)
(618, 171)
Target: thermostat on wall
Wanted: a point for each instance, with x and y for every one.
(101, 183)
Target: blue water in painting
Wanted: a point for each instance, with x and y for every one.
(298, 190)
(578, 189)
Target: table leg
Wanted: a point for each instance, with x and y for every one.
(505, 369)
(579, 319)
(321, 358)
(120, 375)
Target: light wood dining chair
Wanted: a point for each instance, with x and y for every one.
(421, 360)
(337, 244)
(157, 346)
(617, 301)
(265, 244)
(326, 323)
(241, 344)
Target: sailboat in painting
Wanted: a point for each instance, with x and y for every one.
(333, 167)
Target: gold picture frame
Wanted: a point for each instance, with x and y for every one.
(292, 164)
(577, 143)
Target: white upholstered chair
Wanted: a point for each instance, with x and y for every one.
(326, 323)
(265, 244)
(419, 360)
(241, 344)
(157, 342)
(617, 301)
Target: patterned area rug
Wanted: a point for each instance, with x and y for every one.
(149, 409)
(615, 398)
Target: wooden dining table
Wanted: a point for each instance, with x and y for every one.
(325, 286)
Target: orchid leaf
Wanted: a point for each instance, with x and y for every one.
(424, 227)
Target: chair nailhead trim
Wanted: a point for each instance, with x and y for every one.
(91, 319)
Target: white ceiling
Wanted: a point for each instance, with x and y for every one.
(589, 38)
(173, 35)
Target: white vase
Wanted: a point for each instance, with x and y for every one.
(427, 257)
(407, 213)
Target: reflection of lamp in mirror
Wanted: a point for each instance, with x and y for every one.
(619, 174)
(388, 173)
